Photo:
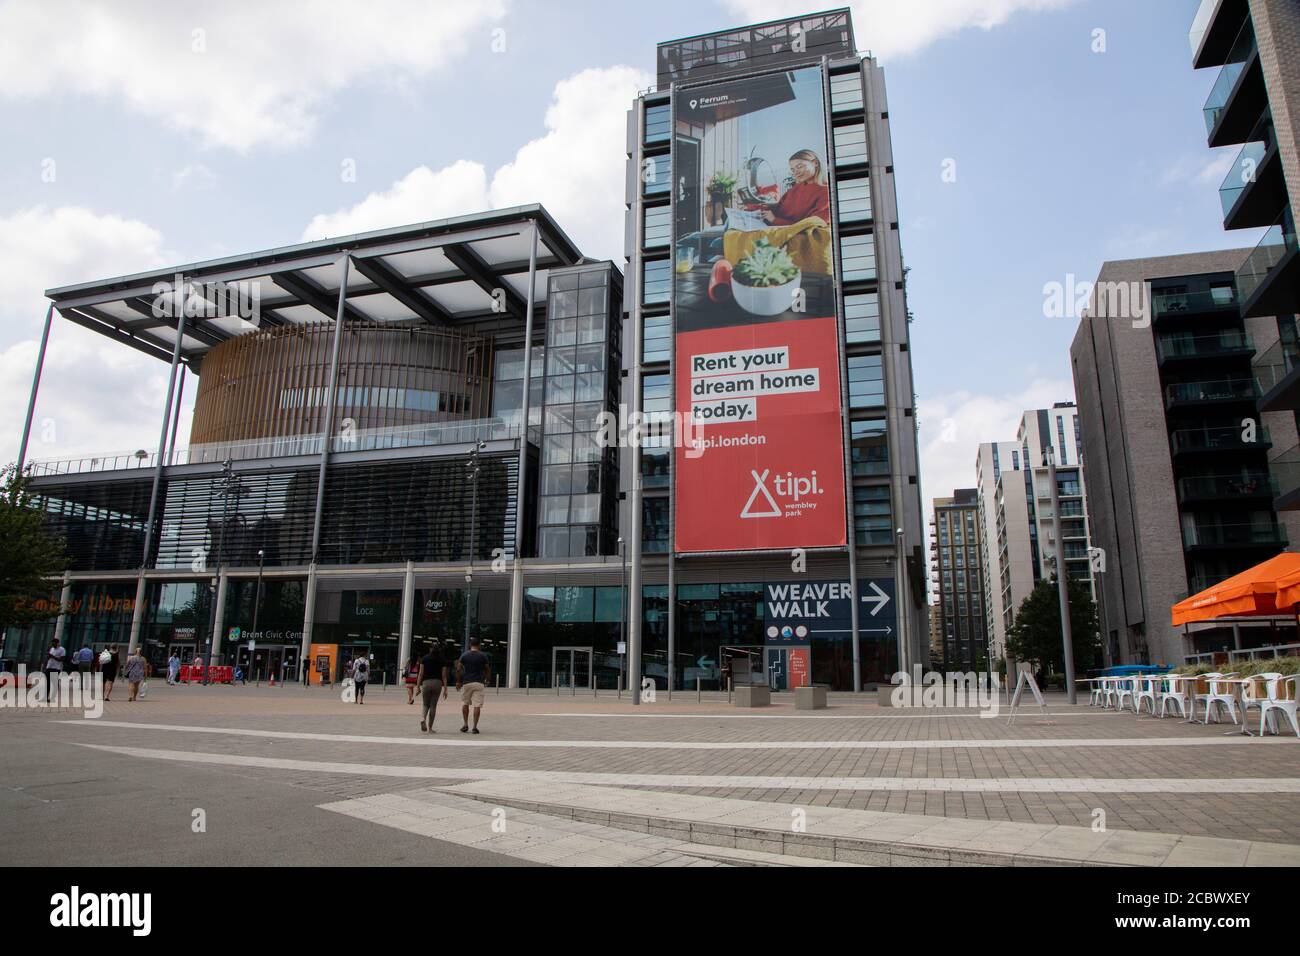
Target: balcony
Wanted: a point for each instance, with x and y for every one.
(1179, 305)
(1238, 96)
(1220, 534)
(1266, 281)
(1189, 441)
(1253, 193)
(1277, 376)
(1219, 391)
(1286, 472)
(1213, 29)
(1242, 484)
(1224, 344)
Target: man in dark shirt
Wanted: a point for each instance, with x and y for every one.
(472, 673)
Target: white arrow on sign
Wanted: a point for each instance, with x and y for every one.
(880, 597)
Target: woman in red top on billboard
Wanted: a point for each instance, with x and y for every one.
(809, 196)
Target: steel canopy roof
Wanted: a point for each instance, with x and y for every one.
(441, 273)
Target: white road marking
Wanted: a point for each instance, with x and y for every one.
(985, 785)
(489, 743)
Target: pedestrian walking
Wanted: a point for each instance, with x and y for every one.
(173, 668)
(108, 667)
(53, 666)
(432, 678)
(473, 671)
(360, 677)
(412, 678)
(137, 669)
(85, 661)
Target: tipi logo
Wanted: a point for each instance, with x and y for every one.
(791, 487)
(760, 487)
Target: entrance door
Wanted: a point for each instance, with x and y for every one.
(571, 667)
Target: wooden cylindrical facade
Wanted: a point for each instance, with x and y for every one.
(274, 382)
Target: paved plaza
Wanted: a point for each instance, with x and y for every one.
(291, 775)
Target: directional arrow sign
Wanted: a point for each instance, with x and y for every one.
(879, 598)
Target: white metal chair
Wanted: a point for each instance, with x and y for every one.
(1097, 693)
(1175, 691)
(1254, 692)
(1282, 695)
(1126, 687)
(1146, 691)
(1216, 691)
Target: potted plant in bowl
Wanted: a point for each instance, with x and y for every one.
(764, 281)
(721, 186)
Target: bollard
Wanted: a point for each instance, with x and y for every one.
(619, 685)
(498, 685)
(528, 683)
(385, 680)
(257, 678)
(593, 687)
(698, 695)
(573, 687)
(728, 690)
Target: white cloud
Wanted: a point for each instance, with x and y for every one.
(954, 424)
(890, 28)
(420, 195)
(575, 170)
(237, 75)
(94, 395)
(193, 176)
(1202, 169)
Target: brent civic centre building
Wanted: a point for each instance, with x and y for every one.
(405, 435)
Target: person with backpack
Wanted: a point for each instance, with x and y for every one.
(360, 676)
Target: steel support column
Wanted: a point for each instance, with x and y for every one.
(36, 385)
(220, 626)
(408, 614)
(137, 613)
(65, 600)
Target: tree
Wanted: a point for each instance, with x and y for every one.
(1036, 634)
(29, 556)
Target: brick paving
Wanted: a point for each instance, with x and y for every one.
(1073, 743)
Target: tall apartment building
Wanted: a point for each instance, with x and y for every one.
(784, 125)
(1180, 492)
(961, 635)
(1019, 547)
(1255, 101)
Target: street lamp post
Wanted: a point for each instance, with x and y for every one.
(1062, 582)
(622, 608)
(472, 470)
(257, 602)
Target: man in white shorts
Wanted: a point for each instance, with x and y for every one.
(473, 671)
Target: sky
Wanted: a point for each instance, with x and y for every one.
(1033, 140)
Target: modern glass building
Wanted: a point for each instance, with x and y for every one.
(422, 433)
(738, 120)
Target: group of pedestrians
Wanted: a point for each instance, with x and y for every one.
(429, 677)
(84, 661)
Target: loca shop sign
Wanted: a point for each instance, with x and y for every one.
(798, 611)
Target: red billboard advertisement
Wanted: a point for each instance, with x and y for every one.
(757, 370)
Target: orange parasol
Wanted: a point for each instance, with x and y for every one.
(1258, 590)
